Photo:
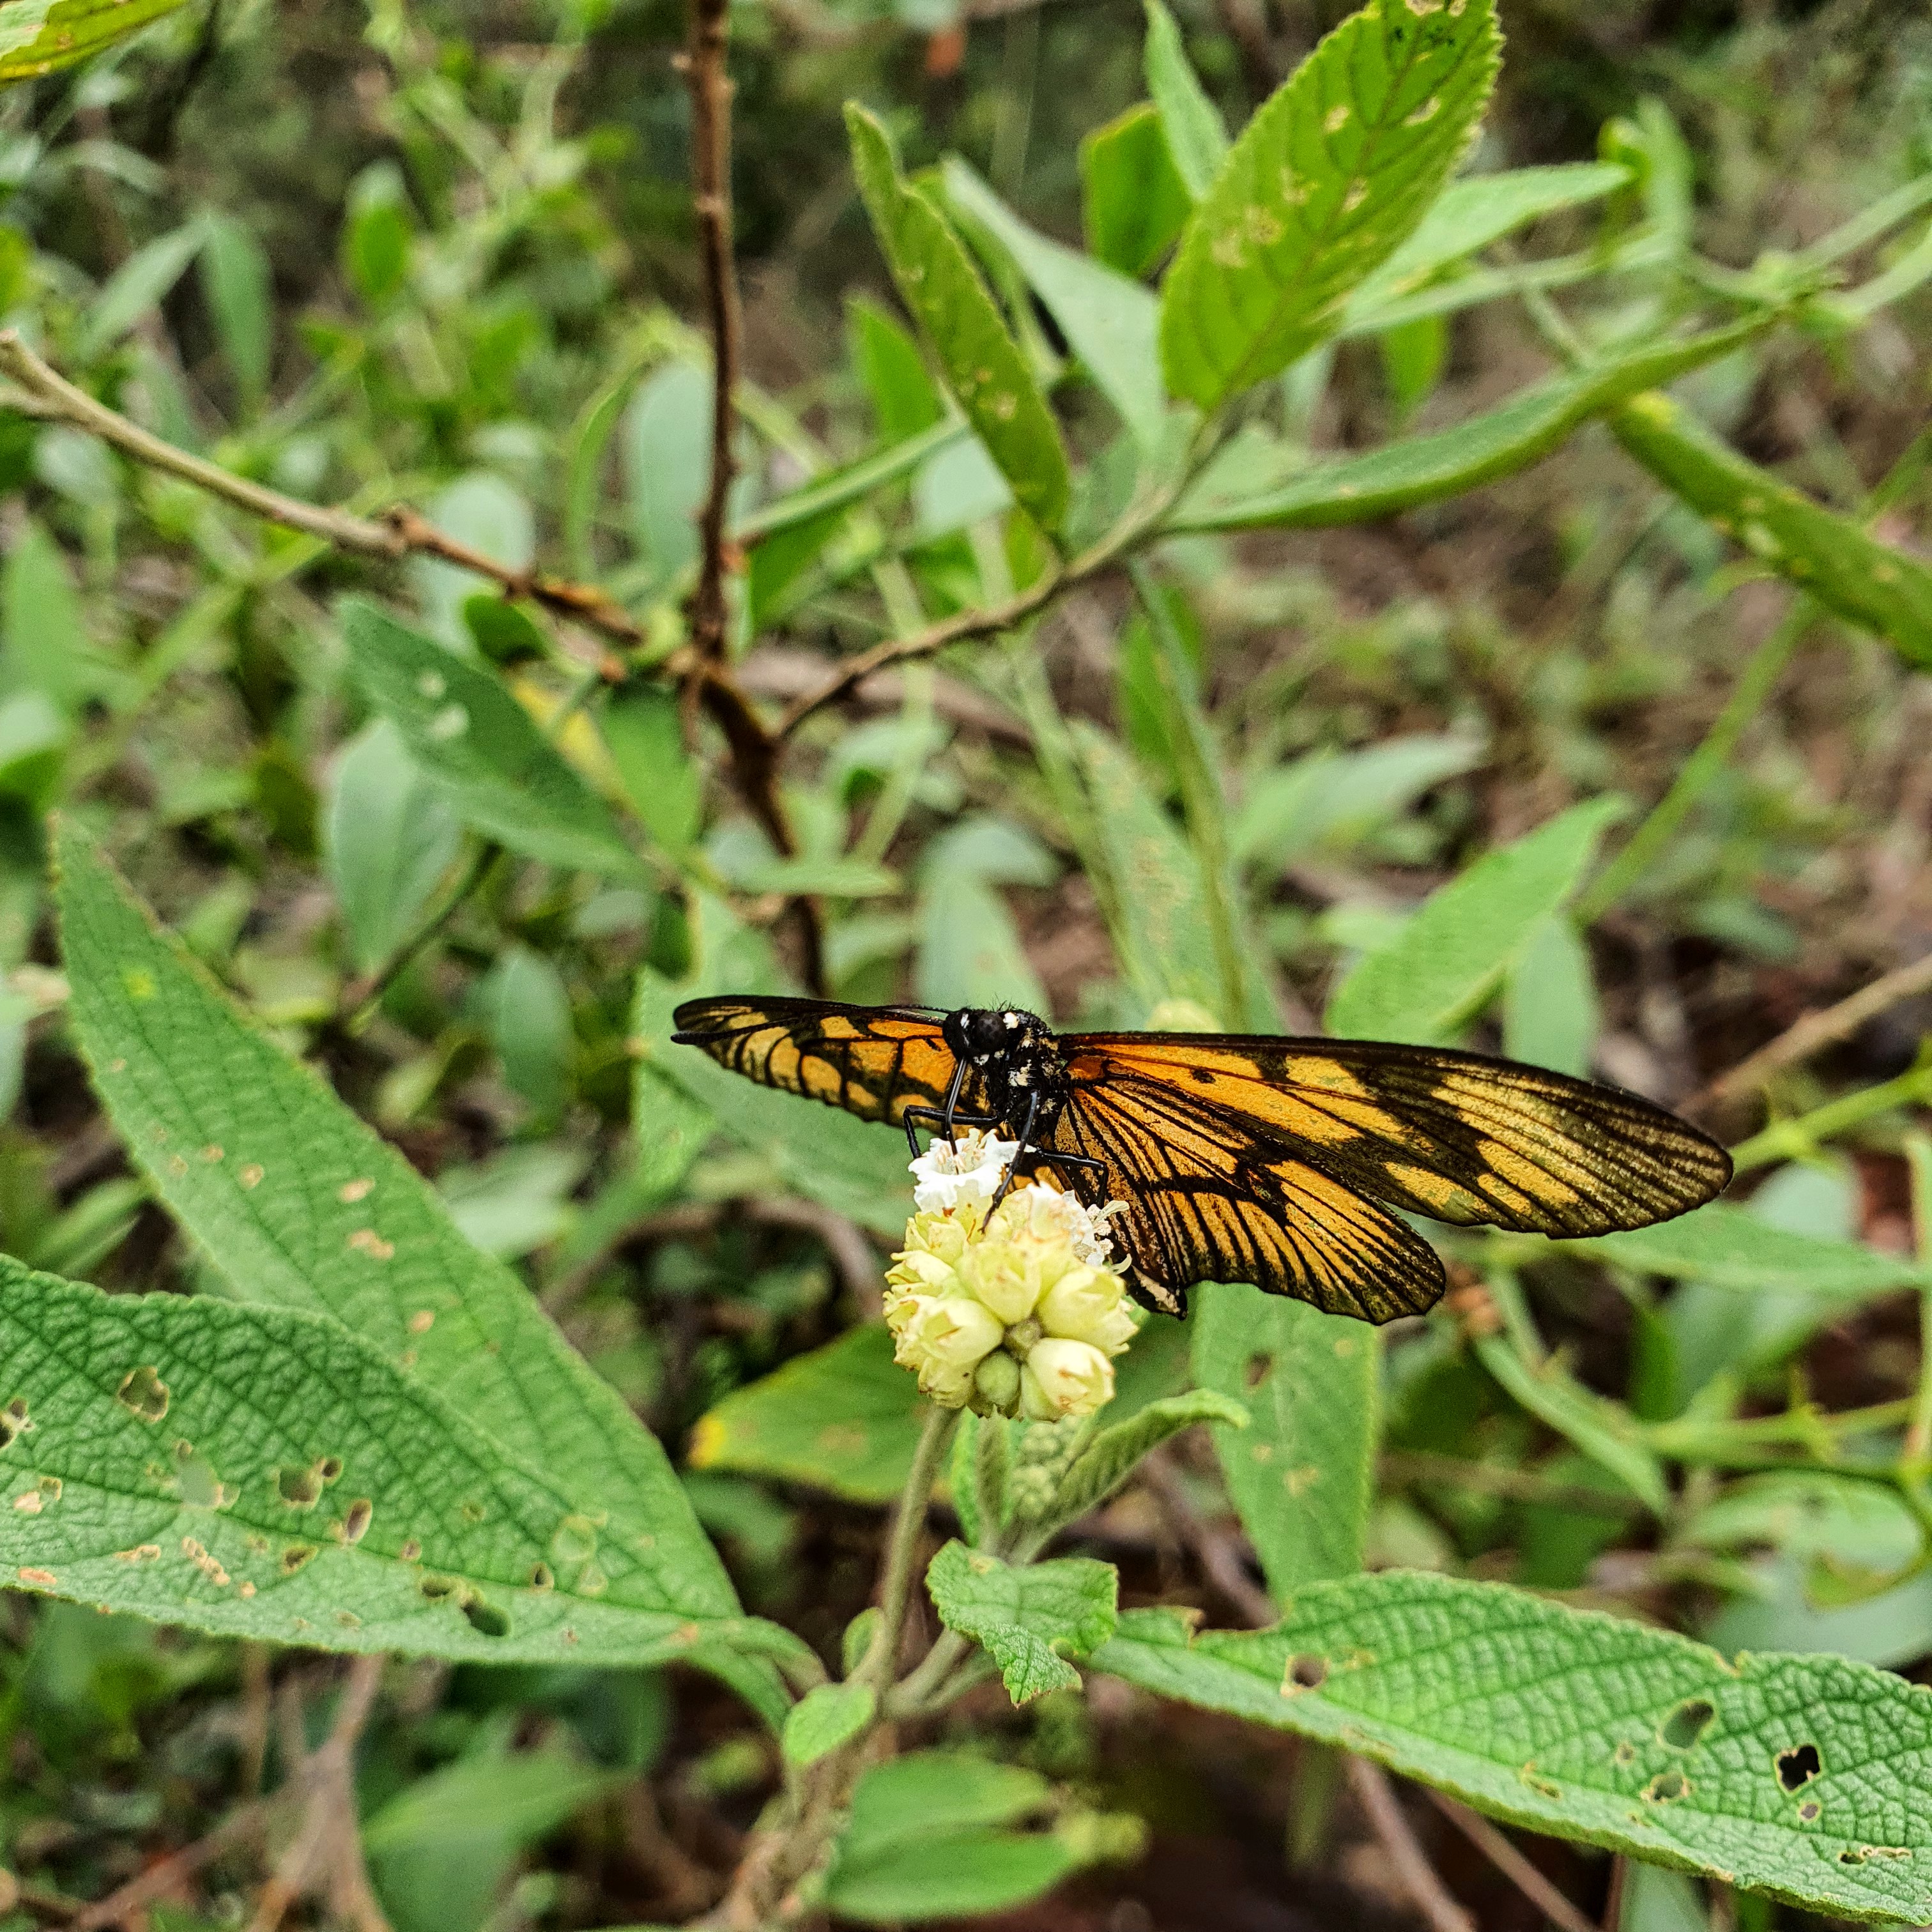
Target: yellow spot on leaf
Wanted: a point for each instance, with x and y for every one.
(250, 1176)
(351, 1192)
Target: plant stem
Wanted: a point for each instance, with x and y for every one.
(1761, 672)
(875, 1667)
(1790, 1140)
(1915, 1461)
(361, 997)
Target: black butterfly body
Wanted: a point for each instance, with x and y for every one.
(1245, 1157)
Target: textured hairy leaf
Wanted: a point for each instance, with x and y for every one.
(298, 1203)
(1108, 1459)
(1302, 1473)
(1026, 1619)
(1592, 1726)
(1331, 175)
(982, 365)
(825, 1718)
(263, 1472)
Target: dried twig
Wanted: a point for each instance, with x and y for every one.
(1514, 1866)
(1816, 1031)
(1426, 1889)
(122, 1907)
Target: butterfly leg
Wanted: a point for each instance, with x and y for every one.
(941, 1123)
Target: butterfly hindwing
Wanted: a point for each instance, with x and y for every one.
(873, 1061)
(1458, 1137)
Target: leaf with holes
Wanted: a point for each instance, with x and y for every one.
(982, 365)
(299, 1205)
(482, 748)
(1333, 173)
(1026, 1619)
(1302, 1473)
(1809, 1778)
(262, 1472)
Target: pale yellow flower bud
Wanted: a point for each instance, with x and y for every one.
(1060, 1378)
(1087, 1304)
(922, 1273)
(1004, 1275)
(943, 1339)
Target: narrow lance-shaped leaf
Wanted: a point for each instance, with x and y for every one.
(298, 1203)
(264, 1473)
(37, 36)
(1807, 1777)
(1027, 1618)
(1325, 182)
(982, 365)
(1197, 136)
(1866, 581)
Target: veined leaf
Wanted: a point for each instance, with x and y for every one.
(1330, 176)
(1595, 1727)
(262, 1472)
(1111, 323)
(37, 36)
(1452, 955)
(1133, 201)
(982, 365)
(1240, 493)
(299, 1205)
(1197, 136)
(1550, 1005)
(1108, 1459)
(482, 748)
(1302, 1473)
(1862, 580)
(1026, 1619)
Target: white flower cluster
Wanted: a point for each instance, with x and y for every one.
(1015, 1310)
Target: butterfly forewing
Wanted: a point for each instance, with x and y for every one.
(873, 1061)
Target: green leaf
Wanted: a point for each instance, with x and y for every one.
(1863, 581)
(969, 950)
(1281, 491)
(1133, 201)
(1333, 173)
(527, 1009)
(836, 875)
(982, 365)
(844, 1417)
(37, 36)
(298, 1203)
(826, 1717)
(887, 361)
(238, 282)
(1026, 1617)
(1108, 1459)
(46, 649)
(1550, 1005)
(387, 838)
(923, 1840)
(1338, 798)
(1592, 1727)
(136, 286)
(1730, 1247)
(1302, 1475)
(640, 729)
(1196, 135)
(1111, 323)
(839, 489)
(1472, 213)
(1452, 955)
(442, 1849)
(482, 749)
(262, 1472)
(667, 445)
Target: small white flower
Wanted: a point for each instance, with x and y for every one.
(966, 1172)
(1050, 1210)
(1060, 1378)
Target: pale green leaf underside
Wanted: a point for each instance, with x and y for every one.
(982, 364)
(1025, 1618)
(825, 1718)
(299, 1204)
(37, 36)
(264, 1473)
(1453, 954)
(1324, 183)
(1301, 1474)
(1238, 494)
(1556, 1719)
(1108, 1459)
(1731, 1247)
(482, 748)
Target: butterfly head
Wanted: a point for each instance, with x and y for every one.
(1010, 1048)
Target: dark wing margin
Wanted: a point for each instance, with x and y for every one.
(1208, 1200)
(873, 1061)
(1458, 1137)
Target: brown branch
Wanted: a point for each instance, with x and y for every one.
(1426, 1890)
(1816, 1031)
(1553, 1905)
(121, 1907)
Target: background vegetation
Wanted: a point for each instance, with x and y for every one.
(445, 257)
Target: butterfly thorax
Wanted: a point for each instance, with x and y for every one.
(1016, 1055)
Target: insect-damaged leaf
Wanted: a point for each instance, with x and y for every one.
(983, 366)
(262, 1472)
(1597, 1728)
(1324, 183)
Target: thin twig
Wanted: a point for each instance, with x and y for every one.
(1816, 1031)
(1426, 1890)
(121, 1907)
(1514, 1866)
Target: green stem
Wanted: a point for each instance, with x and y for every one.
(917, 1691)
(1795, 1139)
(1700, 1441)
(1201, 793)
(361, 997)
(1915, 1463)
(1701, 768)
(875, 1667)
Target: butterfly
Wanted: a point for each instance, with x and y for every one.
(1242, 1156)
